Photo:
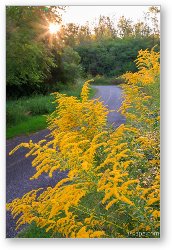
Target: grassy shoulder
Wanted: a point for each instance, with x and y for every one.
(28, 115)
(32, 124)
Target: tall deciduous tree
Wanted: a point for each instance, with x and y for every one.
(105, 28)
(152, 17)
(125, 28)
(28, 56)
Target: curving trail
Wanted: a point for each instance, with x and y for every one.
(19, 168)
(112, 97)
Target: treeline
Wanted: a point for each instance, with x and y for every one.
(111, 58)
(106, 28)
(41, 62)
(34, 59)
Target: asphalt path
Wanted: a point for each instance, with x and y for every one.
(19, 169)
(112, 97)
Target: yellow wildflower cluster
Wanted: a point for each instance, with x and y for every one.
(148, 66)
(104, 194)
(139, 92)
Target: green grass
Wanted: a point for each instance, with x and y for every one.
(26, 115)
(24, 108)
(32, 124)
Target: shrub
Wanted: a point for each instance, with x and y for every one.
(106, 192)
(103, 80)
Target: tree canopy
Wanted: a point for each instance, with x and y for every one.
(38, 60)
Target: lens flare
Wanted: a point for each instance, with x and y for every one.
(53, 28)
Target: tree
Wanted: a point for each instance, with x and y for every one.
(111, 57)
(69, 34)
(152, 16)
(141, 29)
(28, 55)
(125, 28)
(68, 68)
(105, 29)
(71, 64)
(84, 34)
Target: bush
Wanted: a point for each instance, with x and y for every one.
(103, 80)
(107, 192)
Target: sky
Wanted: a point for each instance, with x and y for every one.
(82, 14)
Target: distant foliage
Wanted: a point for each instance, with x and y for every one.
(111, 57)
(70, 67)
(112, 188)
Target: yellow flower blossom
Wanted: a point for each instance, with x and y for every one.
(107, 169)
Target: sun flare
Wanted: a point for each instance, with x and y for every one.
(53, 28)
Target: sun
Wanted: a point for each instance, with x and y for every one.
(53, 28)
